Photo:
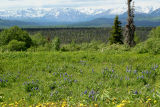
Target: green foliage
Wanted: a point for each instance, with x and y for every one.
(116, 33)
(15, 33)
(31, 86)
(137, 39)
(93, 45)
(71, 47)
(38, 40)
(152, 45)
(117, 47)
(15, 45)
(84, 35)
(155, 33)
(56, 43)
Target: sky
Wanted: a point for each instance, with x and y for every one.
(10, 4)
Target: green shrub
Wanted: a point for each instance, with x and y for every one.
(152, 46)
(56, 44)
(137, 38)
(71, 47)
(15, 33)
(155, 33)
(38, 40)
(15, 45)
(118, 47)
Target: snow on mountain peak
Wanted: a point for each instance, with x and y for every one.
(69, 14)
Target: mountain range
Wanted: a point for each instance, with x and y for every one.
(76, 16)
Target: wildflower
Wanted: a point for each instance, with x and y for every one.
(85, 92)
(96, 105)
(114, 99)
(92, 70)
(136, 92)
(121, 105)
(16, 103)
(81, 105)
(135, 71)
(64, 105)
(75, 81)
(113, 103)
(155, 101)
(149, 99)
(142, 76)
(11, 104)
(124, 101)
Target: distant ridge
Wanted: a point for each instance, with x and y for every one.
(75, 17)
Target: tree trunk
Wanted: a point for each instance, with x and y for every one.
(130, 27)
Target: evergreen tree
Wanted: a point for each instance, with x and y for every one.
(116, 33)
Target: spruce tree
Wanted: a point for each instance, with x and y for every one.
(116, 33)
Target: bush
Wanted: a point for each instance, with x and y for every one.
(56, 44)
(155, 33)
(15, 45)
(15, 33)
(38, 40)
(152, 46)
(117, 47)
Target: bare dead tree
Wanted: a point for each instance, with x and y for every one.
(130, 27)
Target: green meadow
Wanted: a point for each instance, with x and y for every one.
(79, 78)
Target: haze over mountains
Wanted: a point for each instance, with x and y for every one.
(147, 16)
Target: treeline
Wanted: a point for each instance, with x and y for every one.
(83, 35)
(74, 39)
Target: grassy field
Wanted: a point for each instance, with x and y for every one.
(79, 79)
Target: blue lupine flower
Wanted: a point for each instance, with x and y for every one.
(136, 92)
(65, 79)
(85, 92)
(92, 70)
(92, 97)
(142, 76)
(135, 71)
(75, 80)
(51, 94)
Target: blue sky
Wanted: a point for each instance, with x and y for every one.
(7, 4)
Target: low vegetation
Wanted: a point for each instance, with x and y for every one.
(45, 72)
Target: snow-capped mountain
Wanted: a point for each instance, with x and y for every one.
(70, 14)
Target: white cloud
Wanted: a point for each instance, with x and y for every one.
(75, 3)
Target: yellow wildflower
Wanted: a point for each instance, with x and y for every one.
(113, 103)
(124, 101)
(114, 98)
(81, 105)
(16, 103)
(120, 105)
(64, 104)
(155, 101)
(96, 105)
(147, 101)
(11, 104)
